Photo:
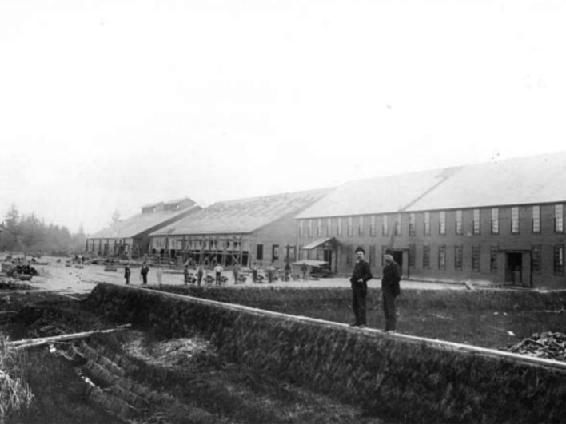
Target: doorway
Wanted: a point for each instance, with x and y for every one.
(328, 257)
(398, 257)
(514, 267)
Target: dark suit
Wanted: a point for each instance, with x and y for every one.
(390, 289)
(359, 290)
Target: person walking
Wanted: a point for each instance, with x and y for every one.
(390, 289)
(359, 279)
(235, 272)
(144, 271)
(127, 273)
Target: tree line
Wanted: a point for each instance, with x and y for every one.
(30, 234)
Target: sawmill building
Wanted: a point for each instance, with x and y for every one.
(500, 222)
(129, 238)
(260, 230)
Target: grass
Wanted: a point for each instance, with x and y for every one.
(494, 319)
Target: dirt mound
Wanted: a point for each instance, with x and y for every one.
(543, 345)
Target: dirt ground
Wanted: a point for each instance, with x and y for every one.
(59, 278)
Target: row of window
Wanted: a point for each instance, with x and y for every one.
(275, 252)
(333, 226)
(536, 257)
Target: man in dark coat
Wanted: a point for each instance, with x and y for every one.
(144, 271)
(359, 280)
(390, 289)
(127, 273)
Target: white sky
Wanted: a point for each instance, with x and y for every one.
(112, 104)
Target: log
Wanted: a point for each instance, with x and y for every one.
(26, 343)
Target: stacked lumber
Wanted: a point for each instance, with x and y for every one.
(543, 345)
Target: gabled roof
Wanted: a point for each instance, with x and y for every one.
(242, 215)
(376, 195)
(142, 222)
(530, 180)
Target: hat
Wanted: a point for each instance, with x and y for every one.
(360, 249)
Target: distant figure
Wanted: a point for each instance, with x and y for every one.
(304, 270)
(359, 279)
(200, 273)
(159, 274)
(287, 271)
(144, 272)
(187, 274)
(390, 289)
(235, 272)
(127, 273)
(218, 270)
(254, 272)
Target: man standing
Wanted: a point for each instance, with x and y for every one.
(218, 269)
(359, 280)
(127, 273)
(144, 271)
(390, 289)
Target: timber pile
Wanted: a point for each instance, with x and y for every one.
(543, 345)
(397, 376)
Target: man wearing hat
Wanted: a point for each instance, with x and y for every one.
(390, 289)
(359, 280)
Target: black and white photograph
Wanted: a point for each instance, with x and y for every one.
(282, 211)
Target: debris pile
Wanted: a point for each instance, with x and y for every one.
(547, 345)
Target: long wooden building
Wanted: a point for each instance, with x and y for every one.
(130, 237)
(500, 222)
(260, 230)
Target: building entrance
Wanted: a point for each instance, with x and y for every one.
(514, 268)
(398, 257)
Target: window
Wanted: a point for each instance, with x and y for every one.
(442, 257)
(372, 258)
(398, 225)
(493, 258)
(412, 224)
(536, 219)
(259, 252)
(559, 218)
(426, 256)
(339, 226)
(459, 222)
(476, 222)
(301, 231)
(360, 225)
(350, 228)
(559, 259)
(349, 255)
(319, 227)
(442, 222)
(412, 255)
(385, 226)
(458, 257)
(494, 221)
(476, 258)
(427, 223)
(536, 257)
(329, 227)
(275, 254)
(310, 228)
(515, 220)
(372, 231)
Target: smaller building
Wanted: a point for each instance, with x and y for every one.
(260, 230)
(130, 237)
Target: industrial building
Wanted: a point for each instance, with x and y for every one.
(501, 222)
(130, 237)
(260, 230)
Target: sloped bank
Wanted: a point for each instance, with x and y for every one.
(412, 379)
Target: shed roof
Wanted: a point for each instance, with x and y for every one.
(140, 223)
(242, 215)
(528, 180)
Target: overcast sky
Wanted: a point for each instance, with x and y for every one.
(112, 104)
